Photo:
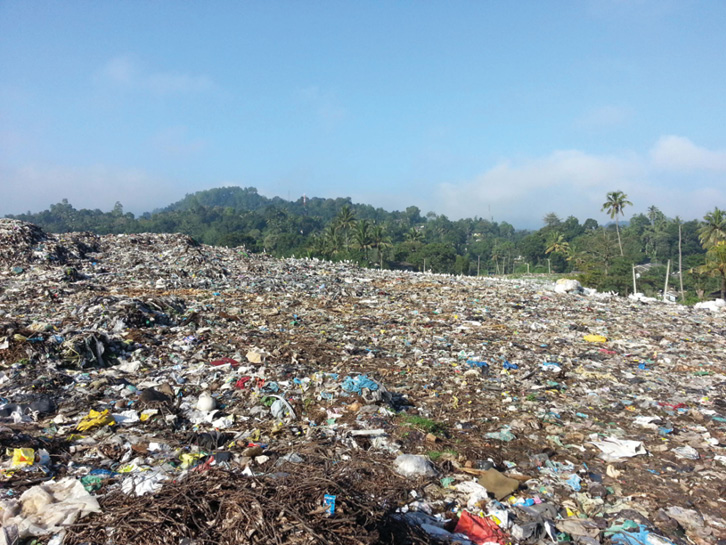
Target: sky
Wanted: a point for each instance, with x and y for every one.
(501, 110)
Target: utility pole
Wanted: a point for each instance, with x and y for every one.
(478, 265)
(549, 266)
(668, 272)
(635, 290)
(680, 260)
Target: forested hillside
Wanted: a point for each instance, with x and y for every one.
(602, 256)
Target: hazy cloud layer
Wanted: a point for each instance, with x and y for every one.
(35, 188)
(676, 175)
(124, 72)
(678, 153)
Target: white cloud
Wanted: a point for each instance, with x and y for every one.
(574, 182)
(125, 72)
(35, 187)
(678, 153)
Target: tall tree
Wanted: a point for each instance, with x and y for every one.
(380, 240)
(716, 264)
(345, 222)
(558, 245)
(551, 220)
(413, 235)
(714, 228)
(614, 205)
(362, 237)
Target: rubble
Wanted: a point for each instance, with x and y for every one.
(205, 395)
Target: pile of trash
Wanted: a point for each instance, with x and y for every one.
(153, 390)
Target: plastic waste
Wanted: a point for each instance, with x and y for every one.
(412, 465)
(641, 536)
(613, 449)
(480, 530)
(23, 457)
(48, 508)
(95, 419)
(355, 384)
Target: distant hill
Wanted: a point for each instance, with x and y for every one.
(247, 199)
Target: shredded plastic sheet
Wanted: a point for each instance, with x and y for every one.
(23, 457)
(641, 536)
(95, 419)
(614, 449)
(357, 383)
(480, 530)
(48, 508)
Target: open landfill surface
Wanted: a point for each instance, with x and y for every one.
(157, 391)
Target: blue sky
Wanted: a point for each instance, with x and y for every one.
(492, 108)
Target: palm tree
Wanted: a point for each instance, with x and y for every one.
(345, 219)
(344, 222)
(413, 235)
(380, 240)
(716, 264)
(614, 205)
(334, 240)
(714, 229)
(558, 245)
(362, 237)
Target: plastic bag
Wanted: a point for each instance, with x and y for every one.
(94, 419)
(410, 465)
(480, 530)
(23, 457)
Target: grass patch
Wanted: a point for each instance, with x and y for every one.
(434, 455)
(424, 424)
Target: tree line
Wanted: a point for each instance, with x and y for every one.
(600, 256)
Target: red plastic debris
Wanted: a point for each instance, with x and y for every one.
(240, 384)
(673, 406)
(480, 530)
(224, 361)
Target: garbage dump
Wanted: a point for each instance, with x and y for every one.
(154, 390)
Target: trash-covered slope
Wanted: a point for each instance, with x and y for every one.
(179, 383)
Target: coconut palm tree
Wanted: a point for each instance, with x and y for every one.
(380, 240)
(334, 240)
(614, 205)
(345, 219)
(558, 245)
(362, 237)
(714, 229)
(413, 235)
(716, 264)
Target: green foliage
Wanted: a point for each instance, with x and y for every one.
(338, 229)
(424, 424)
(435, 455)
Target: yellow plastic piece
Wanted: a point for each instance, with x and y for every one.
(95, 419)
(189, 459)
(595, 338)
(23, 457)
